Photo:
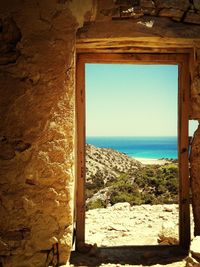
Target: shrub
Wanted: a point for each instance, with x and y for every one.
(96, 204)
(125, 190)
(150, 184)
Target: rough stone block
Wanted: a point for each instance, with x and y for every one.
(4, 248)
(192, 17)
(176, 4)
(168, 235)
(35, 260)
(195, 248)
(172, 13)
(190, 262)
(6, 151)
(147, 3)
(195, 91)
(148, 7)
(11, 235)
(17, 235)
(195, 182)
(196, 4)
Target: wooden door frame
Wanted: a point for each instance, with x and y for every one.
(182, 60)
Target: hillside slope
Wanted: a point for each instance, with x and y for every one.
(113, 177)
(107, 163)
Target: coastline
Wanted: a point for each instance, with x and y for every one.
(156, 147)
(149, 161)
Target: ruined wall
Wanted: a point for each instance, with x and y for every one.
(37, 129)
(195, 151)
(145, 18)
(177, 10)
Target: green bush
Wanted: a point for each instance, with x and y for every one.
(96, 204)
(150, 184)
(124, 190)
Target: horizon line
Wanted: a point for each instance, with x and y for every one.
(131, 135)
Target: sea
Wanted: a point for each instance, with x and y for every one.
(155, 147)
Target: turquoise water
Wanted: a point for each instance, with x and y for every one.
(140, 147)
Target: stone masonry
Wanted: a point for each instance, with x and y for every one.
(37, 40)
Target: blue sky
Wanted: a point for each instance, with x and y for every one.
(131, 100)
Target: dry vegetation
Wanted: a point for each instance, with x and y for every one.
(137, 184)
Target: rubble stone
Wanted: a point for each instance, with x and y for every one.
(195, 248)
(172, 13)
(168, 235)
(190, 262)
(175, 4)
(196, 4)
(195, 182)
(192, 17)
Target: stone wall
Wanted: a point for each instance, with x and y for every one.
(195, 152)
(37, 81)
(177, 10)
(37, 129)
(195, 86)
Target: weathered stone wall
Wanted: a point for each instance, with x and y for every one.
(177, 10)
(195, 151)
(195, 86)
(37, 129)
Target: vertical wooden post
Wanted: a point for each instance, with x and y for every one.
(184, 185)
(80, 160)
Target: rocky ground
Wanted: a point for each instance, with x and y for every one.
(123, 225)
(112, 232)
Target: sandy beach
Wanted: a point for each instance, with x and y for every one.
(148, 161)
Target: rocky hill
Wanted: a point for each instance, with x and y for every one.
(113, 177)
(106, 164)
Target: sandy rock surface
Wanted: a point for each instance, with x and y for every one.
(122, 224)
(195, 248)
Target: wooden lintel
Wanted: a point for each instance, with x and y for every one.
(135, 44)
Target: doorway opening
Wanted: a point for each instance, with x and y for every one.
(180, 61)
(131, 155)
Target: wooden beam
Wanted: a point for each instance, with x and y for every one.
(183, 145)
(80, 155)
(132, 58)
(135, 44)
